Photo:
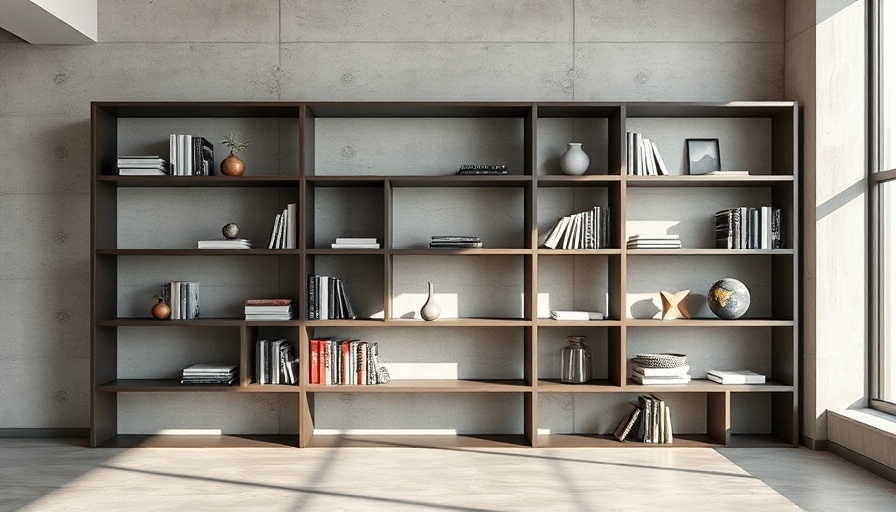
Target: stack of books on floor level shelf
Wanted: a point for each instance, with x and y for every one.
(183, 299)
(355, 243)
(649, 369)
(735, 377)
(455, 242)
(191, 155)
(346, 362)
(653, 242)
(225, 243)
(584, 230)
(268, 309)
(649, 421)
(208, 373)
(749, 228)
(643, 157)
(275, 362)
(327, 299)
(142, 166)
(283, 234)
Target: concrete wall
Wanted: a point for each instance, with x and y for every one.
(269, 50)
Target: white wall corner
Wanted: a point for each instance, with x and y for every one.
(51, 21)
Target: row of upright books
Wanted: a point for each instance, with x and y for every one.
(749, 228)
(327, 299)
(209, 374)
(183, 299)
(190, 155)
(283, 234)
(584, 230)
(268, 309)
(275, 362)
(649, 421)
(139, 165)
(643, 157)
(346, 362)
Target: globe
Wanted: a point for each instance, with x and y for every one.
(728, 298)
(230, 231)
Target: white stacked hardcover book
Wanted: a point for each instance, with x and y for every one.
(236, 243)
(653, 242)
(355, 243)
(735, 377)
(577, 315)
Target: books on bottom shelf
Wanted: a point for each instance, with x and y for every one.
(735, 377)
(577, 315)
(653, 242)
(209, 373)
(183, 299)
(225, 243)
(283, 233)
(584, 230)
(328, 300)
(649, 421)
(455, 242)
(355, 243)
(268, 309)
(349, 362)
(275, 362)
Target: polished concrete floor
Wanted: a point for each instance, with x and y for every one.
(65, 475)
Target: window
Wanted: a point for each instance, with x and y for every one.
(883, 182)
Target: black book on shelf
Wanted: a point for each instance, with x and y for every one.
(203, 157)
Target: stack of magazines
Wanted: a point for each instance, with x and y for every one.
(455, 242)
(207, 373)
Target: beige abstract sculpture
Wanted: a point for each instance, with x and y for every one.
(674, 305)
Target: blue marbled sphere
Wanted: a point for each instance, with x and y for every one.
(728, 298)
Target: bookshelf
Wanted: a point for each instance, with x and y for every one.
(386, 170)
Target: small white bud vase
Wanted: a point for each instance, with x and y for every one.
(574, 161)
(430, 310)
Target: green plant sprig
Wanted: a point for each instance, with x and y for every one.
(232, 142)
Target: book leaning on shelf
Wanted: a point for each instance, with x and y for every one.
(327, 299)
(283, 234)
(190, 155)
(275, 362)
(643, 157)
(348, 362)
(183, 299)
(650, 421)
(584, 230)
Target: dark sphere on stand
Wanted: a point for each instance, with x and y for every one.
(231, 231)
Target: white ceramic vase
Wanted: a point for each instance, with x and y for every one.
(574, 161)
(430, 310)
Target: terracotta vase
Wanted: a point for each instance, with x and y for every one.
(161, 310)
(232, 165)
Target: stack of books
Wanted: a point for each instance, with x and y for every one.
(749, 228)
(142, 166)
(268, 309)
(584, 230)
(735, 377)
(225, 243)
(355, 243)
(649, 369)
(191, 155)
(346, 362)
(283, 234)
(275, 362)
(643, 157)
(487, 170)
(650, 421)
(455, 242)
(183, 299)
(208, 373)
(653, 242)
(327, 299)
(577, 315)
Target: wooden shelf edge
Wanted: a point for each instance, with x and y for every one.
(201, 441)
(419, 441)
(609, 441)
(426, 386)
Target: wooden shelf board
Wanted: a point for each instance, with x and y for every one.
(200, 181)
(428, 386)
(346, 252)
(346, 181)
(416, 322)
(200, 441)
(754, 180)
(419, 441)
(580, 109)
(549, 322)
(174, 386)
(608, 441)
(708, 322)
(578, 252)
(709, 252)
(420, 109)
(198, 252)
(251, 109)
(460, 252)
(595, 386)
(588, 180)
(706, 386)
(732, 109)
(453, 180)
(151, 322)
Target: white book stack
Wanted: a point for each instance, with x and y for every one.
(653, 242)
(209, 373)
(225, 243)
(650, 369)
(735, 377)
(142, 166)
(577, 315)
(355, 243)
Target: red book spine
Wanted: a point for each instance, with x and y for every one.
(346, 366)
(315, 361)
(362, 356)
